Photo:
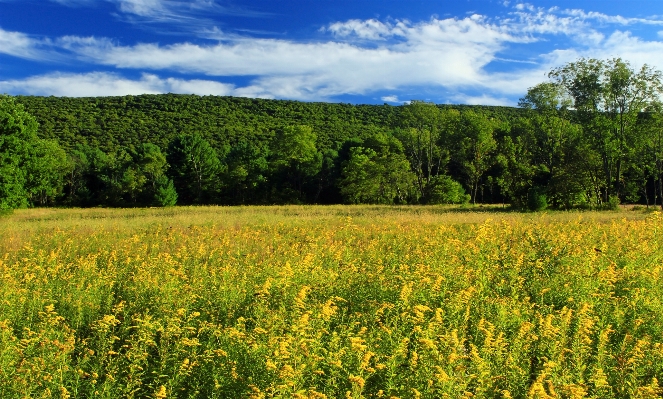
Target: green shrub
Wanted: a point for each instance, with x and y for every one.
(612, 204)
(445, 190)
(165, 194)
(536, 199)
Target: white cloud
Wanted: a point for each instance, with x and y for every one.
(484, 99)
(109, 84)
(631, 48)
(524, 6)
(74, 3)
(449, 52)
(183, 15)
(370, 29)
(612, 19)
(144, 8)
(451, 55)
(19, 44)
(391, 99)
(177, 15)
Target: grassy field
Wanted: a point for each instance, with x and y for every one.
(335, 302)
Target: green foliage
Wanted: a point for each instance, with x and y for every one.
(445, 190)
(608, 97)
(46, 168)
(475, 147)
(545, 97)
(582, 136)
(31, 170)
(248, 170)
(537, 199)
(376, 178)
(195, 169)
(294, 159)
(425, 130)
(612, 204)
(515, 160)
(165, 193)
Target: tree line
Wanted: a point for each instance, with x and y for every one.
(591, 136)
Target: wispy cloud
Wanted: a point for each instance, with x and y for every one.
(171, 16)
(18, 44)
(110, 84)
(172, 9)
(74, 3)
(612, 19)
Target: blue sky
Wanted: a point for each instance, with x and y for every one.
(358, 51)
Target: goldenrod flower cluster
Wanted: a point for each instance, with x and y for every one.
(303, 302)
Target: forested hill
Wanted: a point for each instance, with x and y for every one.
(110, 123)
(575, 142)
(591, 137)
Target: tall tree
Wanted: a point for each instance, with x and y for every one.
(376, 177)
(151, 167)
(547, 97)
(652, 156)
(17, 130)
(195, 169)
(517, 163)
(247, 171)
(607, 97)
(46, 169)
(556, 144)
(295, 159)
(475, 147)
(76, 190)
(424, 128)
(31, 170)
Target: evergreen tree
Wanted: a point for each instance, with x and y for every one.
(195, 169)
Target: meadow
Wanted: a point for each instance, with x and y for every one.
(330, 302)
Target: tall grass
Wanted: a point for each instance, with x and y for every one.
(314, 302)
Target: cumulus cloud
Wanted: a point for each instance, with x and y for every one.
(110, 84)
(447, 52)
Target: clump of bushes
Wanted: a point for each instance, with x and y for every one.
(445, 190)
(612, 204)
(536, 199)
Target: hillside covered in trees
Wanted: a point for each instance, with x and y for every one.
(590, 137)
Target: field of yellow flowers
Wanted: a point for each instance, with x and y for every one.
(330, 302)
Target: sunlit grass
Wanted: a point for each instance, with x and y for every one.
(330, 301)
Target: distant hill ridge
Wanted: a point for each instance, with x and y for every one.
(127, 121)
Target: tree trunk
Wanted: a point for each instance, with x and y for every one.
(475, 187)
(617, 177)
(647, 194)
(608, 178)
